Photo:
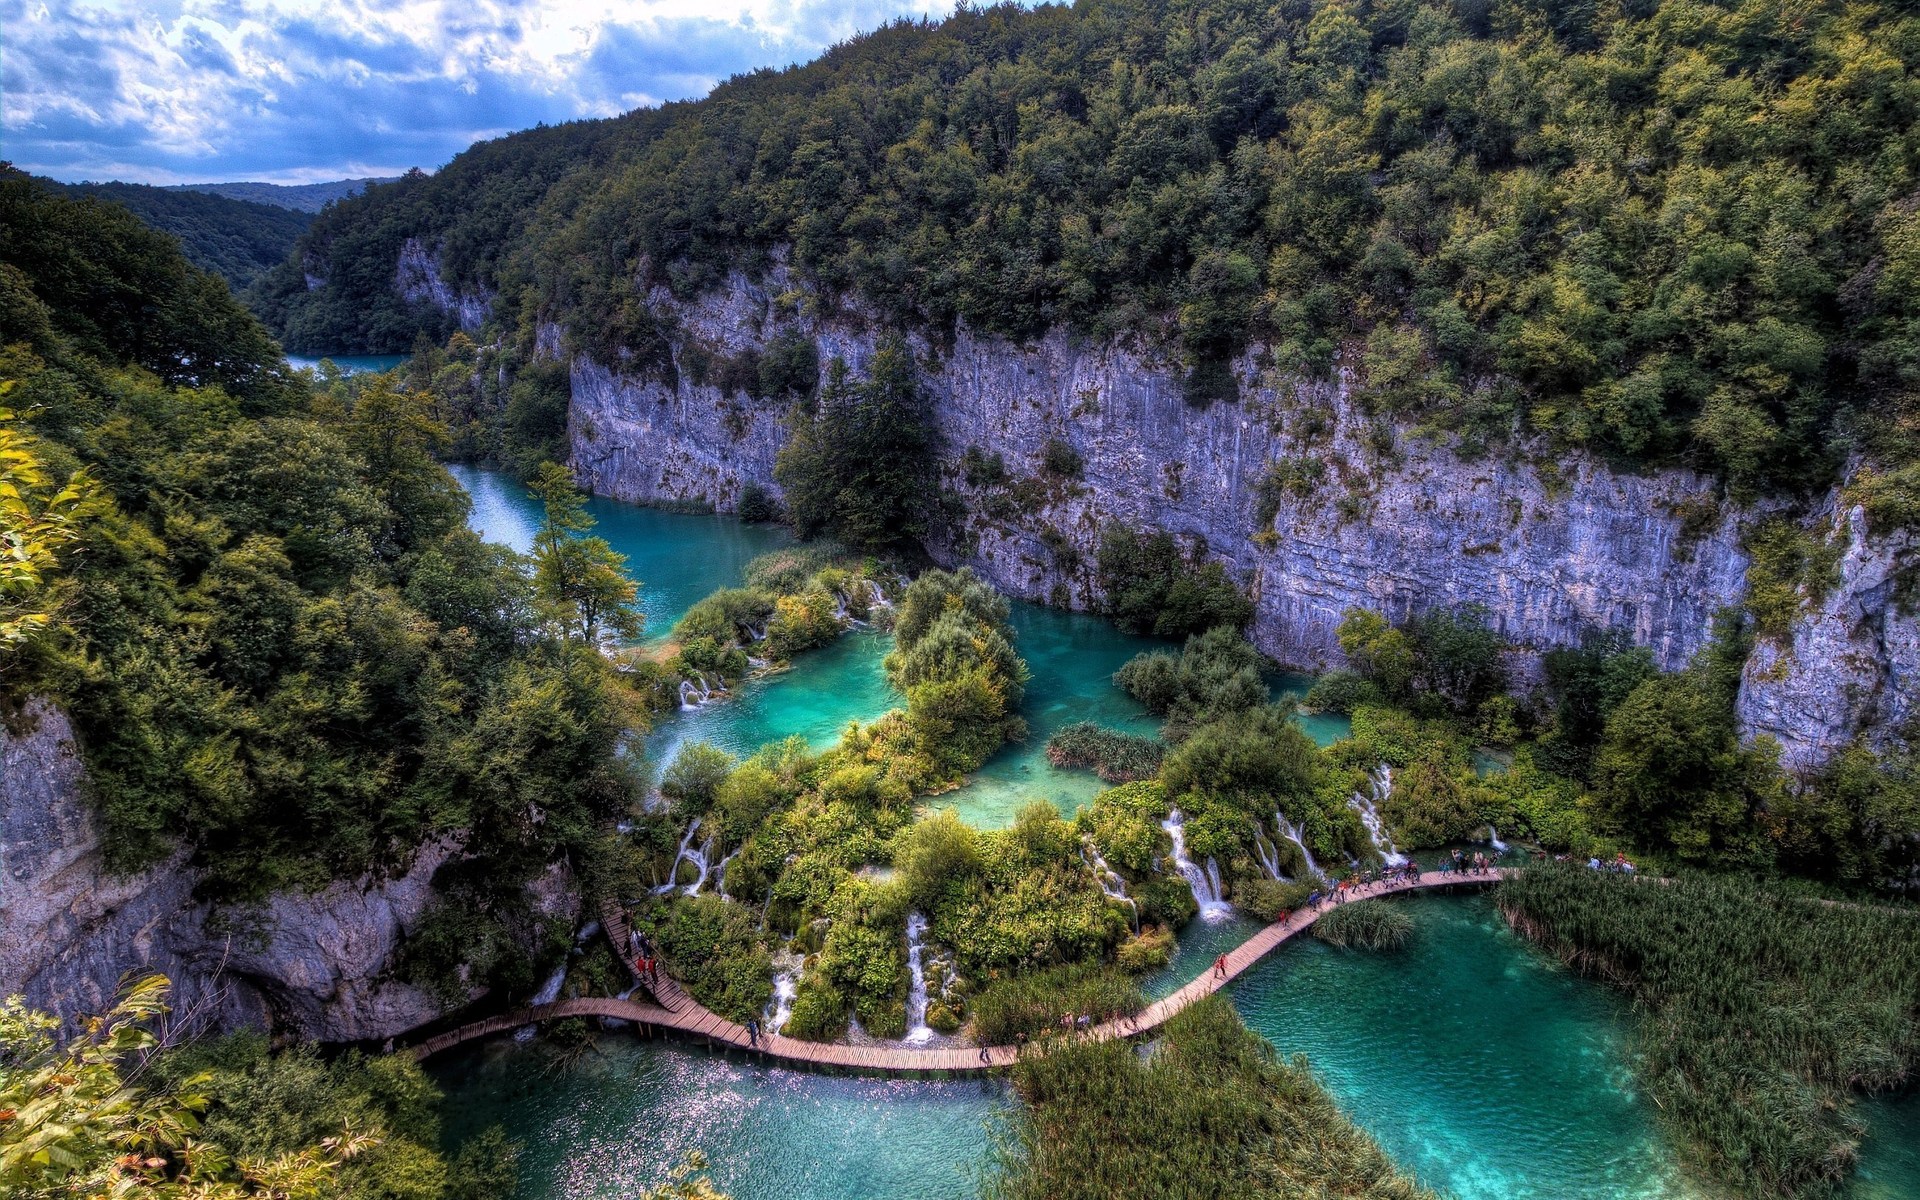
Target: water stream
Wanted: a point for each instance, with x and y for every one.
(1204, 882)
(1366, 803)
(918, 1033)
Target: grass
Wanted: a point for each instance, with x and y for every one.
(1114, 757)
(1213, 1111)
(1365, 925)
(1033, 1003)
(1761, 1013)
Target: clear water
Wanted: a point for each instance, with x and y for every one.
(679, 558)
(1483, 1067)
(1890, 1156)
(614, 1123)
(351, 364)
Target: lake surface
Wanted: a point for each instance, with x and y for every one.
(351, 364)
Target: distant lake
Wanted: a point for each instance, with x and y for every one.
(351, 364)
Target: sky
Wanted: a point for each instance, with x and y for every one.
(298, 91)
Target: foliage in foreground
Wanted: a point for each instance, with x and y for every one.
(111, 1114)
(1761, 1014)
(1213, 1111)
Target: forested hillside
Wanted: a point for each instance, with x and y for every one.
(300, 197)
(279, 644)
(237, 240)
(1661, 231)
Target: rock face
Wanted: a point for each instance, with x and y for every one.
(312, 966)
(417, 279)
(1314, 506)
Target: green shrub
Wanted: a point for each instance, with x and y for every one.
(1215, 674)
(1266, 899)
(1152, 587)
(1033, 1003)
(715, 949)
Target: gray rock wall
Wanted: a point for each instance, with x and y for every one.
(1394, 522)
(311, 966)
(416, 278)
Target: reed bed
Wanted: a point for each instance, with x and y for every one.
(1365, 925)
(1761, 1014)
(1114, 757)
(1213, 1111)
(1032, 1004)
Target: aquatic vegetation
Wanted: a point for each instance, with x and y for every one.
(1365, 925)
(1033, 1002)
(1762, 1013)
(1215, 674)
(1212, 1111)
(1114, 757)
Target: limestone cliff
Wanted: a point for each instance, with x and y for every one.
(1313, 505)
(315, 966)
(417, 279)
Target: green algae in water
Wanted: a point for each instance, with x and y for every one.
(679, 558)
(1481, 1066)
(615, 1122)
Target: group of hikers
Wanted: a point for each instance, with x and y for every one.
(646, 964)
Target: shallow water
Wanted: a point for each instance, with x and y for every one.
(1483, 1067)
(679, 558)
(617, 1121)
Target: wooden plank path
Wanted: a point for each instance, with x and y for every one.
(673, 1009)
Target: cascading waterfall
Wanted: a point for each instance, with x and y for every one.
(787, 967)
(918, 1032)
(548, 993)
(1291, 832)
(877, 597)
(1114, 887)
(1366, 804)
(1268, 854)
(697, 691)
(1493, 839)
(1205, 884)
(720, 873)
(688, 854)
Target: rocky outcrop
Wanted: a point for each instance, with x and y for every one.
(1311, 503)
(416, 278)
(1853, 662)
(315, 966)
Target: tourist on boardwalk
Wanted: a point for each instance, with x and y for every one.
(753, 1031)
(1220, 966)
(985, 1056)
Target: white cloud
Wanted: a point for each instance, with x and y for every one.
(296, 90)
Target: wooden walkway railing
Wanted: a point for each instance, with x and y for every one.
(677, 1011)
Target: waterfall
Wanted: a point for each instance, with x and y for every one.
(918, 1034)
(877, 598)
(697, 691)
(1366, 804)
(1291, 832)
(720, 873)
(1114, 887)
(1268, 855)
(1205, 884)
(687, 852)
(548, 993)
(840, 612)
(786, 985)
(1493, 839)
(756, 634)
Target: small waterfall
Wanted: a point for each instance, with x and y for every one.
(689, 854)
(756, 633)
(1114, 887)
(1493, 839)
(1205, 884)
(758, 664)
(1268, 855)
(720, 873)
(548, 993)
(1366, 804)
(876, 597)
(918, 1033)
(840, 612)
(697, 691)
(786, 985)
(1291, 832)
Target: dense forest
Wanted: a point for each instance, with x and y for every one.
(1660, 231)
(300, 197)
(238, 240)
(259, 602)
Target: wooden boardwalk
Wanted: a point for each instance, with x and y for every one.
(673, 1009)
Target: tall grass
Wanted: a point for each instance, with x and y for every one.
(1034, 1003)
(1365, 925)
(1114, 757)
(1761, 1014)
(1212, 1112)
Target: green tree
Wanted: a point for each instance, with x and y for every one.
(582, 579)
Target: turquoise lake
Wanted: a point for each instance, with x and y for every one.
(1482, 1066)
(350, 364)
